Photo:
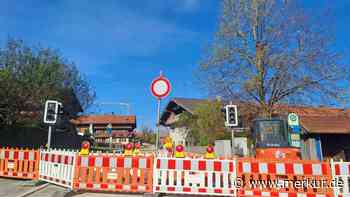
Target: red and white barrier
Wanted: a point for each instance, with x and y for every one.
(194, 176)
(114, 173)
(283, 168)
(341, 174)
(57, 167)
(257, 193)
(19, 163)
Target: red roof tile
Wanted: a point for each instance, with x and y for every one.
(326, 124)
(115, 134)
(319, 119)
(313, 111)
(104, 119)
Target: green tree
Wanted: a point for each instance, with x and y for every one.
(267, 52)
(31, 75)
(206, 124)
(148, 135)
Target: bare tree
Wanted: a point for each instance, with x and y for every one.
(271, 51)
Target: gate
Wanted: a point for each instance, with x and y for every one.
(114, 173)
(57, 167)
(283, 178)
(19, 163)
(194, 176)
(341, 178)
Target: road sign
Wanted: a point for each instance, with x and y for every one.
(293, 120)
(160, 87)
(109, 128)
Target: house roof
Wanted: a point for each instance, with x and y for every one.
(326, 124)
(313, 111)
(189, 104)
(314, 119)
(123, 134)
(178, 105)
(104, 119)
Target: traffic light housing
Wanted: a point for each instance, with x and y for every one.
(231, 115)
(52, 109)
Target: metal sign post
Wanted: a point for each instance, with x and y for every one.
(49, 137)
(231, 122)
(51, 113)
(160, 88)
(233, 141)
(158, 126)
(109, 130)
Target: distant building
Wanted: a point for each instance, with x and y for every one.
(174, 108)
(325, 130)
(123, 128)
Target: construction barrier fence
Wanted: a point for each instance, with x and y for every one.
(57, 167)
(194, 176)
(341, 174)
(283, 177)
(148, 174)
(19, 163)
(115, 173)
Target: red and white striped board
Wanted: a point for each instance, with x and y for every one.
(57, 167)
(283, 168)
(194, 176)
(341, 173)
(19, 163)
(114, 173)
(257, 193)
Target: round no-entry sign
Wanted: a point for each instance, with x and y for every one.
(160, 87)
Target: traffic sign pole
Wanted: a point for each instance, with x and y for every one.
(158, 126)
(233, 142)
(49, 137)
(109, 130)
(160, 88)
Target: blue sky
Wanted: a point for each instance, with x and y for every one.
(122, 45)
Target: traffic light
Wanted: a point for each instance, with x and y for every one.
(231, 115)
(52, 109)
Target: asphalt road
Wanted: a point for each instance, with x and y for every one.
(22, 188)
(11, 188)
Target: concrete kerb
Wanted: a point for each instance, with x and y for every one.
(34, 190)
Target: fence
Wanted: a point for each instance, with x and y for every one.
(19, 163)
(139, 174)
(194, 176)
(286, 178)
(57, 166)
(115, 173)
(341, 176)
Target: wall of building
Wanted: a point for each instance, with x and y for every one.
(178, 135)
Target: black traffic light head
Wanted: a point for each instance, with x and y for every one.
(231, 115)
(51, 111)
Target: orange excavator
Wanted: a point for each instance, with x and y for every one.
(272, 140)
